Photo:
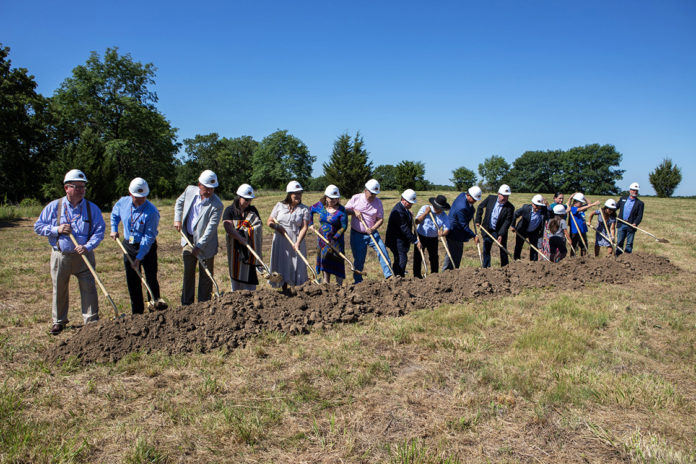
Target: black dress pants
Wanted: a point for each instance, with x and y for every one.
(149, 265)
(429, 244)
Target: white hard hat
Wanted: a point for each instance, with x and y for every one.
(293, 186)
(245, 191)
(579, 197)
(475, 192)
(538, 200)
(139, 188)
(505, 190)
(409, 195)
(559, 209)
(634, 186)
(208, 178)
(610, 203)
(373, 186)
(332, 191)
(75, 175)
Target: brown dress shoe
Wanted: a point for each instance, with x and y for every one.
(56, 329)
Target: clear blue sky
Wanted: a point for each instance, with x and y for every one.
(448, 83)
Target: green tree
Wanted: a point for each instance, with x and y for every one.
(411, 174)
(25, 140)
(463, 178)
(590, 169)
(109, 101)
(280, 158)
(536, 171)
(349, 167)
(665, 178)
(230, 159)
(386, 176)
(493, 171)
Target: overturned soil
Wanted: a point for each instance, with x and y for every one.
(230, 321)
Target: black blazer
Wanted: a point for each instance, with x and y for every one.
(399, 226)
(504, 218)
(525, 213)
(636, 213)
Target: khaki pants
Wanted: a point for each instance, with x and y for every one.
(63, 265)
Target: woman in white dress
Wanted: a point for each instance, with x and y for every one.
(293, 217)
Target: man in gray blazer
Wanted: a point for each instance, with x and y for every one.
(197, 212)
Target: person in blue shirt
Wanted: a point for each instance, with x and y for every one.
(140, 222)
(460, 215)
(72, 214)
(631, 211)
(429, 232)
(576, 221)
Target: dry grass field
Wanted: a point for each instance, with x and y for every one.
(576, 373)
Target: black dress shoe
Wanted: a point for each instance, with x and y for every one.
(56, 329)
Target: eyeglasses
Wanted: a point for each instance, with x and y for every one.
(76, 187)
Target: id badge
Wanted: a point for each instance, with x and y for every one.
(131, 240)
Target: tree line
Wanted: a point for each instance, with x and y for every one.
(103, 119)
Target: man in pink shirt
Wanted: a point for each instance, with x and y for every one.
(367, 206)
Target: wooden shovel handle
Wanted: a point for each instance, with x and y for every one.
(442, 239)
(94, 274)
(496, 241)
(311, 269)
(337, 251)
(200, 260)
(149, 291)
(374, 240)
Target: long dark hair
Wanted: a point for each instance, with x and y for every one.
(555, 223)
(609, 212)
(288, 201)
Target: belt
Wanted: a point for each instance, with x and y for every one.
(357, 231)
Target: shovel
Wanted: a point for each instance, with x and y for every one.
(496, 242)
(535, 248)
(337, 251)
(200, 260)
(444, 242)
(608, 238)
(478, 247)
(374, 240)
(572, 216)
(152, 304)
(272, 277)
(311, 269)
(94, 273)
(425, 266)
(660, 240)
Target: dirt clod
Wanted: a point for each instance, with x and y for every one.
(232, 320)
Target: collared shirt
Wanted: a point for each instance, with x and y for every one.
(371, 211)
(534, 221)
(78, 218)
(628, 206)
(195, 211)
(427, 228)
(139, 223)
(495, 213)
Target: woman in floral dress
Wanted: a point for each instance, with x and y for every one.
(333, 222)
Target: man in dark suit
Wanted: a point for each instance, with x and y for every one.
(631, 211)
(530, 226)
(497, 220)
(399, 234)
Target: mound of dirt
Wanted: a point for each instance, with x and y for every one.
(230, 321)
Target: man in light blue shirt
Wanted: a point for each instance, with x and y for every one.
(74, 215)
(140, 221)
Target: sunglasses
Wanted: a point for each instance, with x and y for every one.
(76, 187)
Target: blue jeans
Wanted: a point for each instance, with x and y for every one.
(359, 243)
(626, 233)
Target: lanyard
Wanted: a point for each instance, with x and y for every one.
(132, 221)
